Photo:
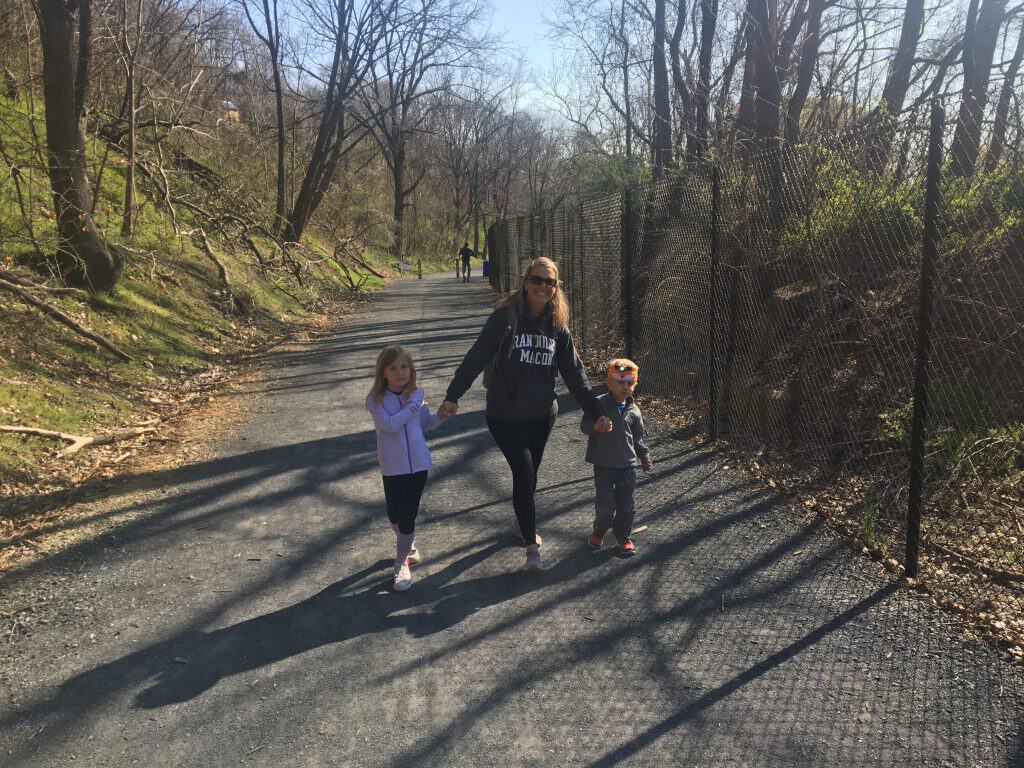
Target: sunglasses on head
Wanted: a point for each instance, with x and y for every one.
(622, 368)
(550, 282)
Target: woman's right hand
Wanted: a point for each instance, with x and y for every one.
(447, 408)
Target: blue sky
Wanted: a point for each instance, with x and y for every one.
(521, 22)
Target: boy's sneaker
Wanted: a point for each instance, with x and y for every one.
(517, 532)
(532, 558)
(414, 555)
(403, 577)
(627, 547)
(595, 540)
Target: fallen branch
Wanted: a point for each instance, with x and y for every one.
(78, 442)
(353, 285)
(232, 304)
(62, 318)
(996, 574)
(14, 277)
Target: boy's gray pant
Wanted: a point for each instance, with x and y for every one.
(614, 500)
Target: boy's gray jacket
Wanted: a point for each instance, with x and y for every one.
(529, 351)
(624, 446)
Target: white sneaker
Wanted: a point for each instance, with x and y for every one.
(414, 556)
(532, 558)
(403, 577)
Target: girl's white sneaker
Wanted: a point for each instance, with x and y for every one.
(414, 556)
(532, 558)
(403, 577)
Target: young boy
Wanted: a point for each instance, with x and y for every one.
(616, 455)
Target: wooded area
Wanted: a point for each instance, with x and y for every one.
(409, 124)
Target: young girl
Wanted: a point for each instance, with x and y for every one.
(401, 418)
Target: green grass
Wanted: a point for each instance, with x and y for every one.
(163, 312)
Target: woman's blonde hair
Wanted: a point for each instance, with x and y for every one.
(559, 304)
(387, 356)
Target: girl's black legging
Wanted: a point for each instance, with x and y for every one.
(522, 443)
(402, 494)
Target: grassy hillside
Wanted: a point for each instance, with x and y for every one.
(170, 311)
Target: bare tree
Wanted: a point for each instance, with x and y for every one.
(995, 150)
(128, 42)
(662, 131)
(805, 71)
(762, 50)
(266, 25)
(355, 30)
(697, 139)
(980, 40)
(83, 256)
(422, 45)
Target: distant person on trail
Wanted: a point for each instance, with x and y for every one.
(400, 417)
(485, 268)
(466, 253)
(615, 456)
(522, 345)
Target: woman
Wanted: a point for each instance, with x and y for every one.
(526, 339)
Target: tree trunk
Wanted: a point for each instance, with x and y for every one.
(84, 60)
(681, 89)
(979, 51)
(763, 23)
(323, 163)
(83, 256)
(697, 141)
(662, 139)
(898, 80)
(805, 71)
(744, 127)
(995, 149)
(398, 178)
(881, 122)
(281, 143)
(627, 108)
(129, 180)
(273, 43)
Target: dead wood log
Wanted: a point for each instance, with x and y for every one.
(232, 303)
(78, 442)
(64, 319)
(24, 282)
(996, 574)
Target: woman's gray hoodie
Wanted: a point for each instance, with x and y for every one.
(530, 351)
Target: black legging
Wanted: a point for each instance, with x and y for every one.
(522, 443)
(402, 494)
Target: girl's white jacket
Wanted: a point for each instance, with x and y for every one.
(401, 422)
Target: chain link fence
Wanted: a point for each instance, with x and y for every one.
(778, 299)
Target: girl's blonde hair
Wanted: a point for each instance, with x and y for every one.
(559, 304)
(387, 356)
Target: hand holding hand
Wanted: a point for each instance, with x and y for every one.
(603, 424)
(446, 409)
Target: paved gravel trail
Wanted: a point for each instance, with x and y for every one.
(244, 618)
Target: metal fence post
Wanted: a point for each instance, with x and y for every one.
(716, 225)
(582, 301)
(626, 279)
(926, 301)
